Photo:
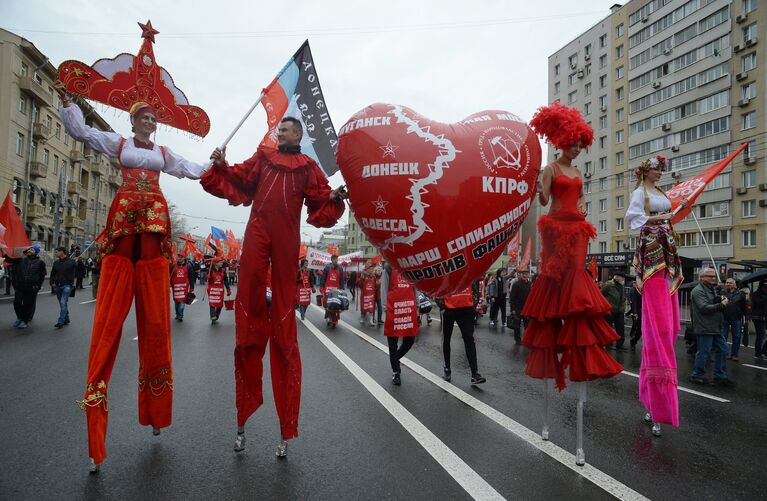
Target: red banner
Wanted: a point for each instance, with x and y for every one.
(14, 236)
(690, 189)
(524, 264)
(514, 245)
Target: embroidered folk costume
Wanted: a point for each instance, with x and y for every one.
(136, 241)
(659, 273)
(566, 309)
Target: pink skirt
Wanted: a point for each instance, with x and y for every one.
(660, 327)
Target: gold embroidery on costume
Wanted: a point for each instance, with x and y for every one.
(156, 381)
(95, 395)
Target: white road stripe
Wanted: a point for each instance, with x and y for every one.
(91, 301)
(686, 390)
(598, 477)
(466, 477)
(755, 366)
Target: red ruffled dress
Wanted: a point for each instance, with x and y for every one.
(565, 308)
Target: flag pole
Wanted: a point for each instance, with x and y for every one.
(713, 263)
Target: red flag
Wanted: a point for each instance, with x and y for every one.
(593, 267)
(525, 263)
(690, 189)
(514, 245)
(15, 235)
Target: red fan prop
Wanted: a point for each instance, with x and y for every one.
(126, 79)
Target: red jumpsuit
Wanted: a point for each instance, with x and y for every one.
(276, 184)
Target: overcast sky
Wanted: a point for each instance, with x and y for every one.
(444, 59)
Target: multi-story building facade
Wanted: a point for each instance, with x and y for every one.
(62, 189)
(684, 79)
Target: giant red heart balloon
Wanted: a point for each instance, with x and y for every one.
(439, 201)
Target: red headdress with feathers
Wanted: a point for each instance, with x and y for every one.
(127, 81)
(562, 126)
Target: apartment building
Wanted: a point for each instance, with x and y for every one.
(61, 188)
(684, 79)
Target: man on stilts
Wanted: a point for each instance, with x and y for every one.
(275, 182)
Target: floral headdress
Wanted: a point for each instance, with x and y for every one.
(658, 162)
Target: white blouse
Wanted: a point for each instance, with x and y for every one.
(635, 214)
(132, 157)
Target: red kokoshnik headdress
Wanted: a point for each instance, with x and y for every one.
(125, 80)
(562, 126)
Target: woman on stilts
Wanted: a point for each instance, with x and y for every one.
(658, 276)
(136, 242)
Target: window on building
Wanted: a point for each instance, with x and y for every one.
(24, 69)
(716, 237)
(23, 104)
(618, 245)
(619, 114)
(619, 72)
(619, 136)
(713, 210)
(587, 49)
(749, 32)
(602, 61)
(46, 155)
(603, 181)
(588, 208)
(620, 201)
(20, 144)
(620, 157)
(619, 30)
(556, 70)
(619, 93)
(49, 122)
(603, 101)
(602, 121)
(572, 97)
(602, 166)
(588, 69)
(688, 239)
(587, 187)
(748, 91)
(619, 224)
(55, 165)
(749, 5)
(587, 89)
(602, 226)
(556, 87)
(749, 238)
(748, 178)
(587, 167)
(573, 60)
(748, 208)
(572, 78)
(619, 180)
(603, 246)
(58, 131)
(603, 142)
(748, 62)
(619, 52)
(749, 120)
(587, 109)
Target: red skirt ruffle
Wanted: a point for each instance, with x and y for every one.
(567, 329)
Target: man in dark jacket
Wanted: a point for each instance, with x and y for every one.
(615, 294)
(733, 316)
(520, 289)
(759, 316)
(707, 310)
(28, 278)
(635, 300)
(63, 280)
(497, 297)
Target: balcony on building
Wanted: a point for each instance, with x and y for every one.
(36, 211)
(73, 222)
(115, 180)
(76, 156)
(38, 169)
(95, 167)
(74, 188)
(40, 131)
(40, 94)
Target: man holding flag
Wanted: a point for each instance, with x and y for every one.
(276, 180)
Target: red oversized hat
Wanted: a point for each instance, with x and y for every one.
(125, 80)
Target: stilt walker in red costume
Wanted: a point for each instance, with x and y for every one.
(136, 241)
(566, 310)
(275, 182)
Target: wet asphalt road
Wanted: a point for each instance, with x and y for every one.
(351, 446)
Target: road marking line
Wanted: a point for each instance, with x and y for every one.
(462, 473)
(755, 366)
(91, 301)
(596, 476)
(687, 390)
